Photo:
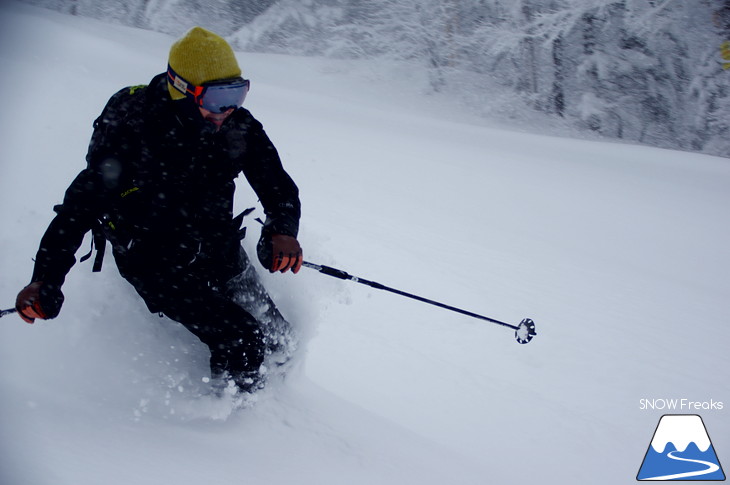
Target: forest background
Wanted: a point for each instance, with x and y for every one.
(636, 70)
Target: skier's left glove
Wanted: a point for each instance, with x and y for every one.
(279, 253)
(39, 300)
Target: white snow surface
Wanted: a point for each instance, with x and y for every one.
(618, 252)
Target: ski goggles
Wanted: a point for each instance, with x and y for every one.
(214, 96)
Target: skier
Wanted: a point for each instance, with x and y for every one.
(159, 186)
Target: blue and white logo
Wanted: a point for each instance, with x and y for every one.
(681, 450)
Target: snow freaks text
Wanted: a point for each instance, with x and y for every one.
(679, 405)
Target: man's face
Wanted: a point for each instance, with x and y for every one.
(216, 118)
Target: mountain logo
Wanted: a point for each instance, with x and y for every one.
(680, 450)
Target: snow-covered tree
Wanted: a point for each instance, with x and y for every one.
(639, 70)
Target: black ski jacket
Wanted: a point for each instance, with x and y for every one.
(159, 183)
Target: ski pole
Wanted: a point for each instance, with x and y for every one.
(7, 312)
(523, 332)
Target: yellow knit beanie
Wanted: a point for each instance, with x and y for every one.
(201, 56)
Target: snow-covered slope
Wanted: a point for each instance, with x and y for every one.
(619, 253)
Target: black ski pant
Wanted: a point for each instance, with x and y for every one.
(232, 334)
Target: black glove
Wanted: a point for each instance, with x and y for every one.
(278, 252)
(39, 300)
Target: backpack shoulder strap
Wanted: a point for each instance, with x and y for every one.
(117, 111)
(98, 240)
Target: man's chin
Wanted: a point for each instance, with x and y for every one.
(216, 121)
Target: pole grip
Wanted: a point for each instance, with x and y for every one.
(328, 270)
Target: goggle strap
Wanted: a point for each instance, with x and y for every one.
(182, 85)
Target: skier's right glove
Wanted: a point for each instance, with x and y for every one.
(39, 300)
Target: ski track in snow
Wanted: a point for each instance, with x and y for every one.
(618, 253)
(711, 468)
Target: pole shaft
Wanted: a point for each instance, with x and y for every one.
(7, 312)
(337, 273)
